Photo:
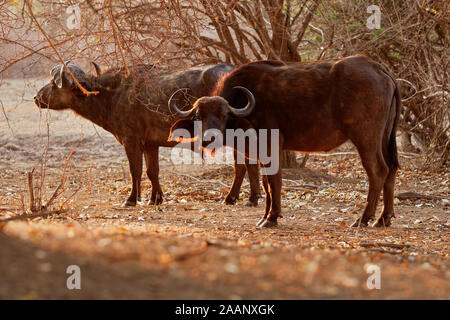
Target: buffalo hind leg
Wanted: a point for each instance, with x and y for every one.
(134, 155)
(255, 190)
(265, 183)
(384, 220)
(377, 172)
(152, 163)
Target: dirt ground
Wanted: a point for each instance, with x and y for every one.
(193, 246)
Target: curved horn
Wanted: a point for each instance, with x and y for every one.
(55, 70)
(173, 107)
(65, 80)
(248, 108)
(97, 68)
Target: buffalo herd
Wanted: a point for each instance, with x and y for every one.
(311, 106)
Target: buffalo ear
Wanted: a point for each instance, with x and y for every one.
(239, 123)
(111, 81)
(186, 124)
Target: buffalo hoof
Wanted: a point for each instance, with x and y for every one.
(129, 203)
(268, 224)
(253, 200)
(230, 200)
(382, 222)
(251, 203)
(156, 200)
(261, 221)
(156, 197)
(357, 223)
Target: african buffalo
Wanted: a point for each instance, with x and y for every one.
(316, 106)
(134, 109)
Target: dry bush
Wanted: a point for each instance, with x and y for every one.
(241, 31)
(412, 41)
(110, 33)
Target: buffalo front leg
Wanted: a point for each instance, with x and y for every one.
(152, 163)
(377, 172)
(271, 171)
(271, 216)
(239, 173)
(134, 155)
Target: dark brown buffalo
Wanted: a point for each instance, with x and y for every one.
(135, 111)
(316, 106)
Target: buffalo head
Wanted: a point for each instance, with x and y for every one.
(213, 112)
(62, 92)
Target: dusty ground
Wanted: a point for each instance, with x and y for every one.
(192, 246)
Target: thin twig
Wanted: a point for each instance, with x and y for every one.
(6, 118)
(116, 39)
(186, 255)
(384, 244)
(60, 189)
(85, 91)
(200, 180)
(31, 191)
(415, 195)
(43, 213)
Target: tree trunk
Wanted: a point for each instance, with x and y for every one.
(407, 145)
(288, 160)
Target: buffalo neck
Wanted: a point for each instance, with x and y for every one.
(96, 108)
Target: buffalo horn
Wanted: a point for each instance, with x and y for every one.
(97, 68)
(173, 107)
(65, 80)
(248, 108)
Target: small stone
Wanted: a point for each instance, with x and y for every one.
(45, 267)
(231, 268)
(185, 235)
(426, 266)
(41, 254)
